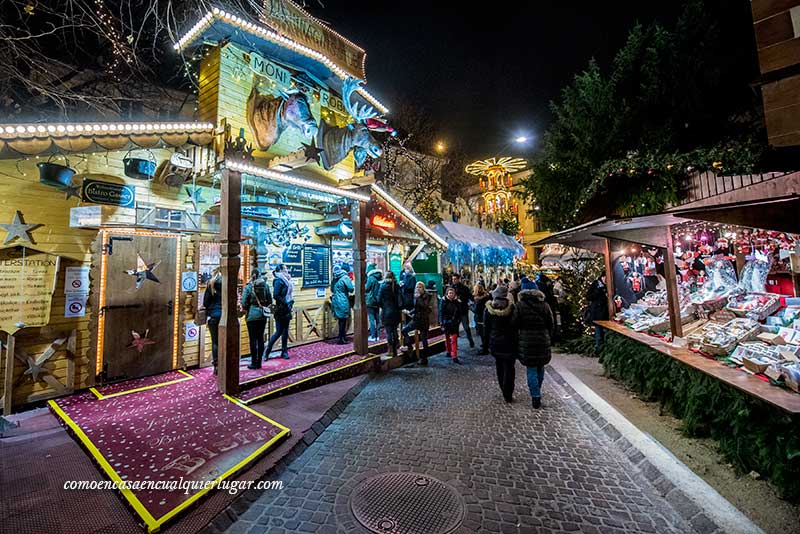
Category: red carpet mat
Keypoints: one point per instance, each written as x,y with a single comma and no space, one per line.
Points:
263,391
140,384
184,433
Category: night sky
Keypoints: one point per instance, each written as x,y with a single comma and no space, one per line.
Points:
485,74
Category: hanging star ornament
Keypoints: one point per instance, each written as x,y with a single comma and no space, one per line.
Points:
72,191
195,197
18,229
311,152
34,369
139,342
144,271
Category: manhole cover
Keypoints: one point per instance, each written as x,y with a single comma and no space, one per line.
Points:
407,503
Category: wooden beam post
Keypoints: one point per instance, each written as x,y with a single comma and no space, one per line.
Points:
358,215
612,310
230,228
673,300
8,379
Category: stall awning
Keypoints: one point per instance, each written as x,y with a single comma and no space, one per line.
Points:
420,226
469,244
769,214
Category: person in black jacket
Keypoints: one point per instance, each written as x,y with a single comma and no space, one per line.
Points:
598,308
480,297
408,283
450,319
212,302
255,298
283,298
390,301
534,321
420,320
464,296
498,329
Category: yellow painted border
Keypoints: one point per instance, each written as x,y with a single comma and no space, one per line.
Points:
153,524
274,391
100,396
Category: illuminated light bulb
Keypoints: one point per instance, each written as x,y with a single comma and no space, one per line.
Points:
70,128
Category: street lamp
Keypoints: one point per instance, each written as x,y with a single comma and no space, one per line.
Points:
521,140
440,146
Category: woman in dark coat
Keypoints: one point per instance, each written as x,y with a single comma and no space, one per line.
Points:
390,300
212,302
499,332
534,321
408,283
420,320
255,297
283,295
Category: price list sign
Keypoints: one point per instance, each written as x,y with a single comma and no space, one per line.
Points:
316,266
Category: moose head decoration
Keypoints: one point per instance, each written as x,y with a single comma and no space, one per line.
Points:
269,117
337,142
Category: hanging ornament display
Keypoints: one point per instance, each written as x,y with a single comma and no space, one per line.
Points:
139,342
17,229
143,271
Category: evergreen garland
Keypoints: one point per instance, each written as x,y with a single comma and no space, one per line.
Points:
752,435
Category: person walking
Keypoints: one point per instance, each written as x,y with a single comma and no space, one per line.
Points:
390,301
283,301
372,294
212,302
408,283
502,339
255,298
597,296
533,320
450,319
464,296
480,297
341,288
420,321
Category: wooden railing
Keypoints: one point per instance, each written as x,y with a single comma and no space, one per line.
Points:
703,185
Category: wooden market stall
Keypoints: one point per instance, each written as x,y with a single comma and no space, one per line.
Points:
113,229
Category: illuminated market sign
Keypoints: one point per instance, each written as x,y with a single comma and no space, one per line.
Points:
290,20
383,222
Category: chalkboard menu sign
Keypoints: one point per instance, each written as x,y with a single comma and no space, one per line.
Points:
316,266
295,271
293,253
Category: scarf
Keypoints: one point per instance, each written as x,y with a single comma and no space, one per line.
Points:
290,291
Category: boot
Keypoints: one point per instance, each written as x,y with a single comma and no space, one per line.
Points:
537,402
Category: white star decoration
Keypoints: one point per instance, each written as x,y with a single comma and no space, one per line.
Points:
18,229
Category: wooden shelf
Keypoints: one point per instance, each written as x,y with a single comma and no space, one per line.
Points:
781,398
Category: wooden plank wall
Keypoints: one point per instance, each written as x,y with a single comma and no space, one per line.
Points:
777,30
40,204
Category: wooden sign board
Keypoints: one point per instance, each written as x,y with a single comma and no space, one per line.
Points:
27,283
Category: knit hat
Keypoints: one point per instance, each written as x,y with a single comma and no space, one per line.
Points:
337,269
528,284
371,267
500,293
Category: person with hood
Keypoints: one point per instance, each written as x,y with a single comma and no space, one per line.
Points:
390,300
480,297
372,294
283,298
450,319
341,287
597,296
534,321
408,283
501,335
420,321
464,296
212,302
255,298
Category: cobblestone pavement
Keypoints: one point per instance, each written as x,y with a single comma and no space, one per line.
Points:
517,469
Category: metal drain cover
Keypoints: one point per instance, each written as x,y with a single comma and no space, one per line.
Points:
407,503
